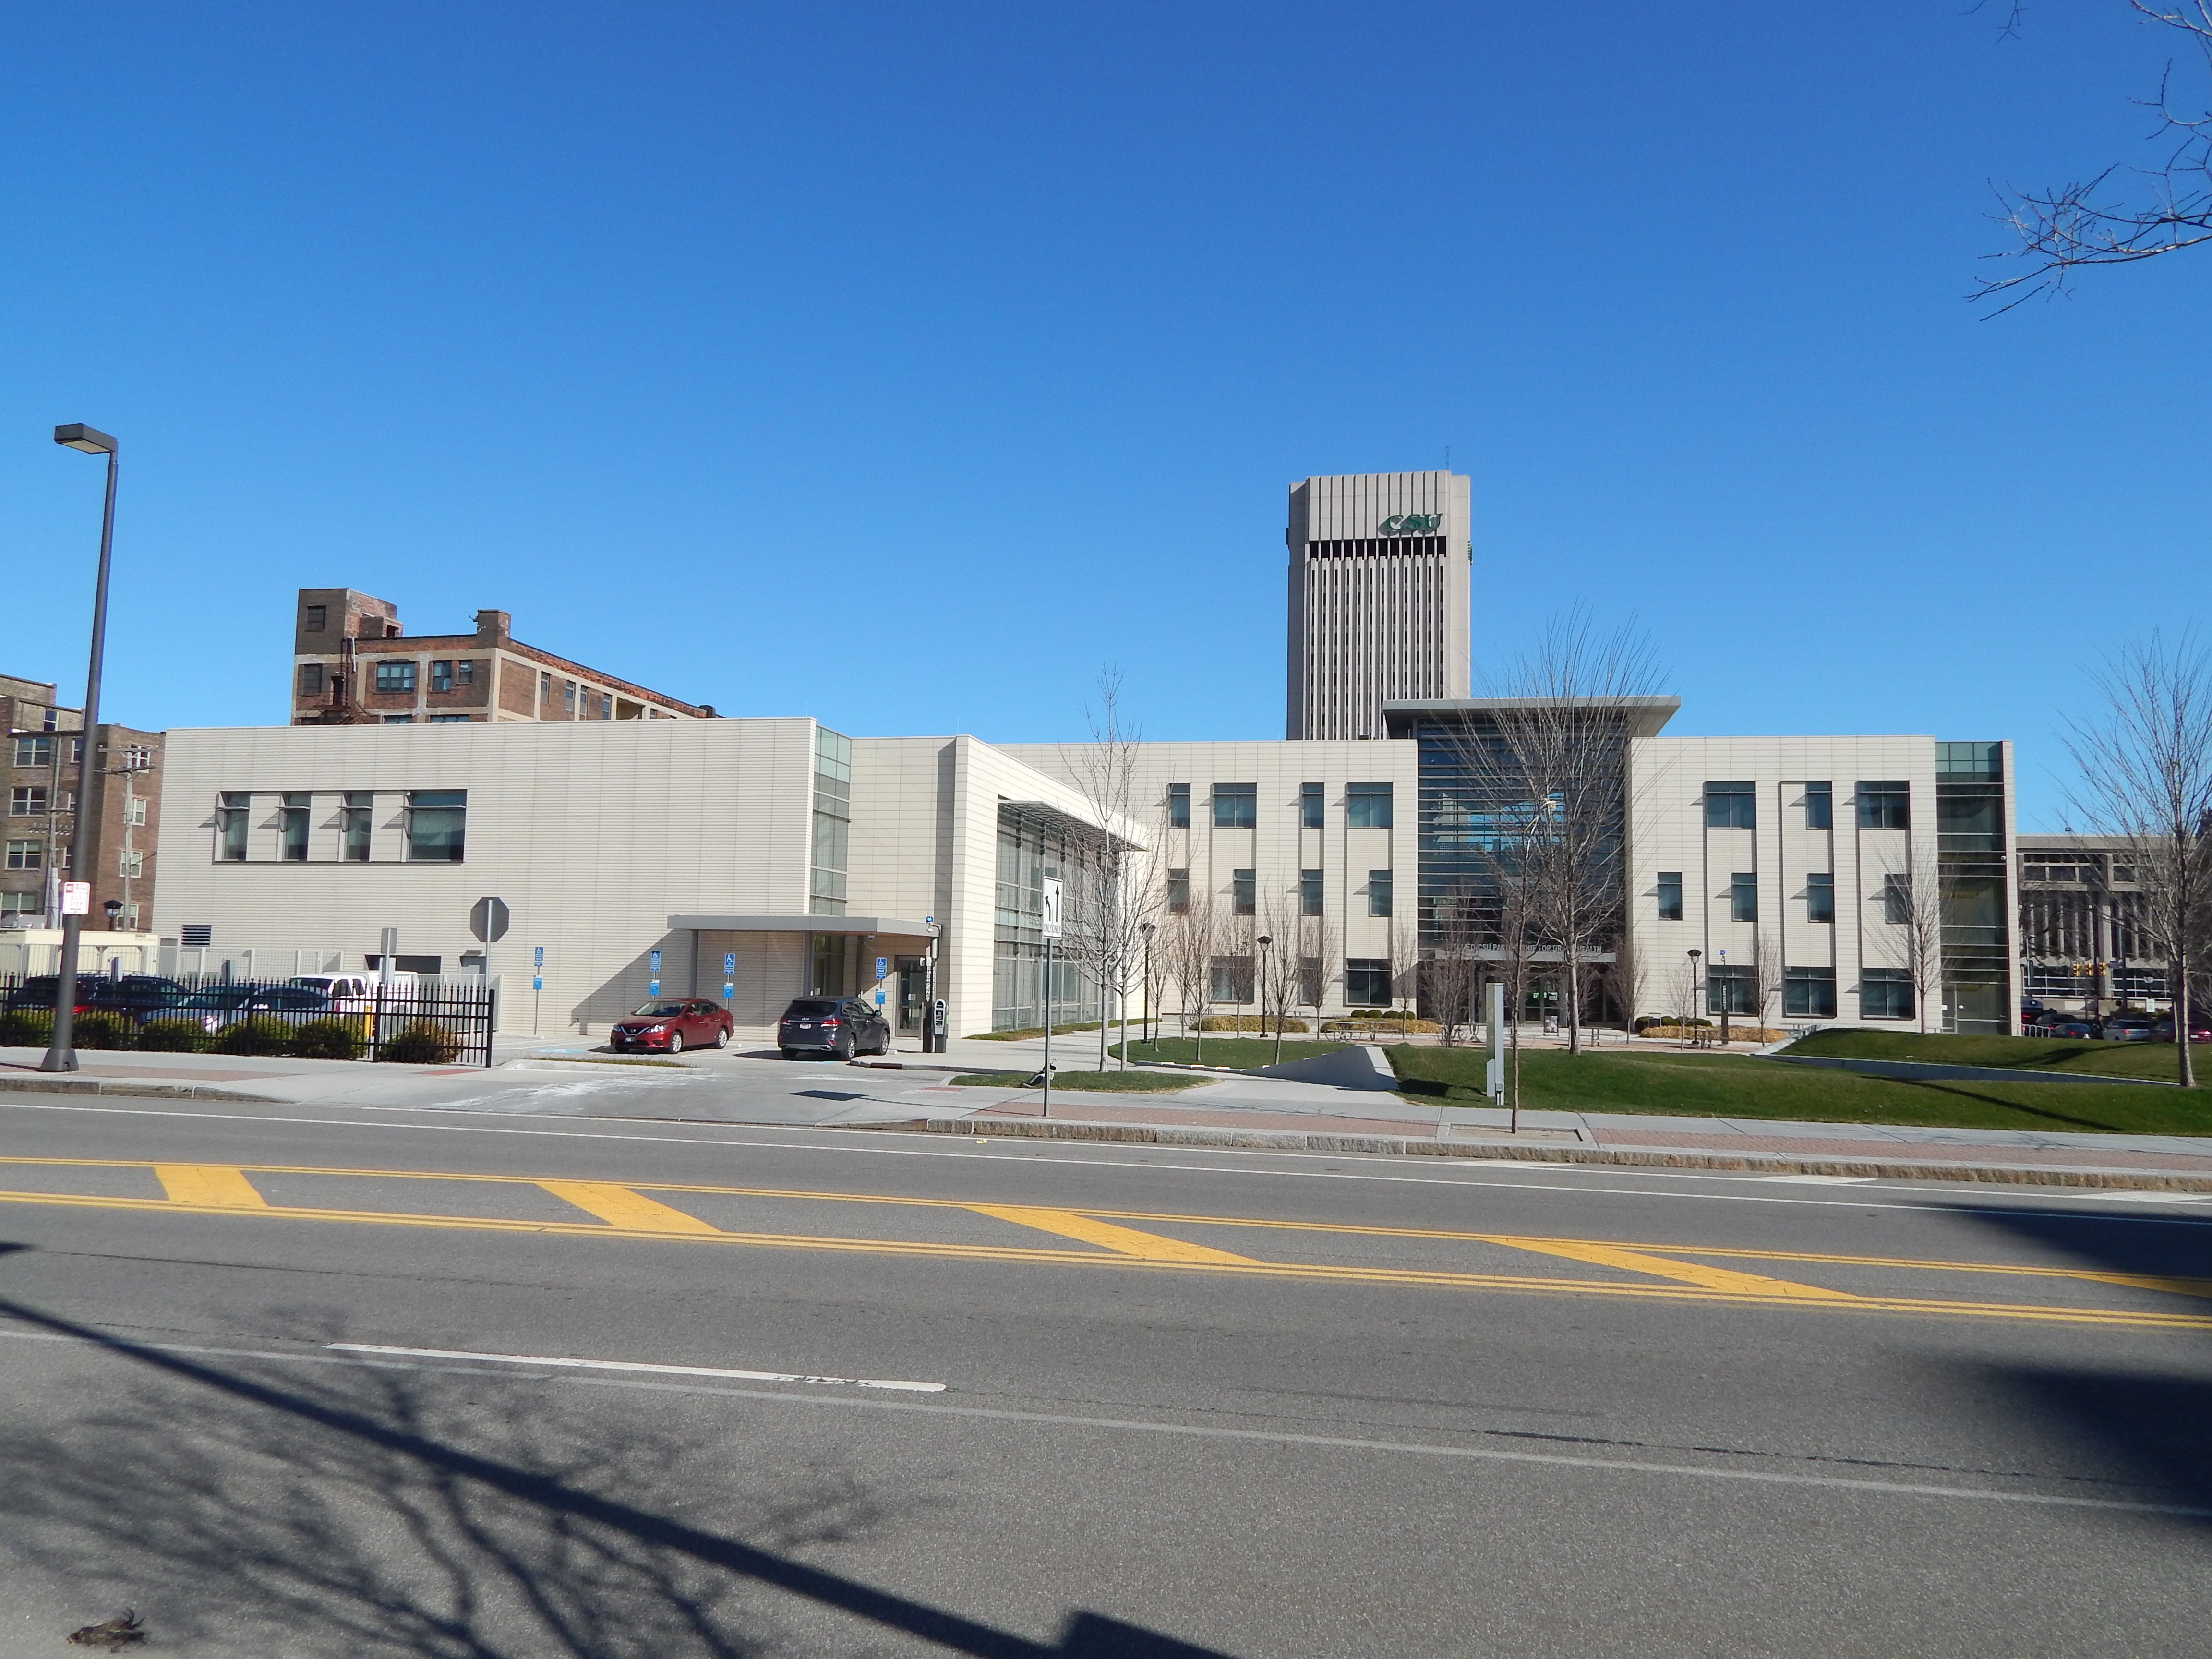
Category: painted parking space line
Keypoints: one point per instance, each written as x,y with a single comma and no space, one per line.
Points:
1126,1240
544,1361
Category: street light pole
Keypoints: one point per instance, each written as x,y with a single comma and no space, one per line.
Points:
61,1050
1689,1036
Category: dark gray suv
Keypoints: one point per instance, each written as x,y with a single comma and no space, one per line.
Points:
839,1027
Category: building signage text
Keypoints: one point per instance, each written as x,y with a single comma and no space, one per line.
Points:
1413,524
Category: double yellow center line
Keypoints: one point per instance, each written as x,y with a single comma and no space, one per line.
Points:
629,1210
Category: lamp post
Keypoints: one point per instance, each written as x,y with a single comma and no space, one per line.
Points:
61,1051
1688,1036
1259,987
1145,929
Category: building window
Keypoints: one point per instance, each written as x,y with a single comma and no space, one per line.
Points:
1809,993
135,814
27,801
1820,806
1743,896
1310,894
310,679
1730,806
1670,895
449,720
1367,806
399,720
134,862
1178,892
832,824
1896,900
1311,806
357,804
1378,892
26,855
441,677
606,705
1178,806
1367,981
19,904
1242,897
465,672
1885,806
1232,979
50,721
1885,993
568,697
319,617
437,822
1983,761
230,825
76,751
1236,806
1820,896
34,751
394,675
544,693
1731,990
296,807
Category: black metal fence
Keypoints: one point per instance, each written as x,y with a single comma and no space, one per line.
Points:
421,1021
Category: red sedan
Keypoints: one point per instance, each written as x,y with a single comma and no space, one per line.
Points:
672,1027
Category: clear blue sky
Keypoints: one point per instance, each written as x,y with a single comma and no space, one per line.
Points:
903,364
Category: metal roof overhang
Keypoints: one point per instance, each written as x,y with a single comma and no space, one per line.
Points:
1643,716
1068,823
802,923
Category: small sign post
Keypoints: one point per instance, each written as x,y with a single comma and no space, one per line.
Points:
537,984
76,898
488,920
1049,926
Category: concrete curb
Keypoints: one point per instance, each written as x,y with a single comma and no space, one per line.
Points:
86,1086
1762,1163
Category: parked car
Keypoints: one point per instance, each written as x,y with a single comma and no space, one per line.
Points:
137,997
672,1027
226,1005
2162,1030
2127,1028
838,1026
2068,1026
349,994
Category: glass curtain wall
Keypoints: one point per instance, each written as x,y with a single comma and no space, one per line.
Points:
1971,860
833,822
1030,851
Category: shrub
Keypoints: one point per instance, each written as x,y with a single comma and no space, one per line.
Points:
257,1035
420,1043
329,1039
1645,1022
173,1036
93,1030
1247,1023
27,1027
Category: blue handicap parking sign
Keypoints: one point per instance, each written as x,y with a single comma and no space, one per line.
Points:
729,991
537,984
729,961
880,965
653,988
653,961
537,960
879,999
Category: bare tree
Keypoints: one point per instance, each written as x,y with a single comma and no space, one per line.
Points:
1551,781
2123,213
1317,949
1682,995
1911,901
1276,963
1187,949
1113,894
2146,777
1767,974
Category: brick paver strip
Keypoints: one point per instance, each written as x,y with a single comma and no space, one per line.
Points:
1916,1152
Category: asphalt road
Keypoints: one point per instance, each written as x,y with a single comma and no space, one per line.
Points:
284,1380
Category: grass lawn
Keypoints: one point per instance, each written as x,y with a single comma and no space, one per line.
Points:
1027,1031
1238,1053
2150,1060
1737,1085
1119,1082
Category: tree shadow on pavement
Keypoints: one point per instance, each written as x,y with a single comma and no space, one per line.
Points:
2149,1424
358,1510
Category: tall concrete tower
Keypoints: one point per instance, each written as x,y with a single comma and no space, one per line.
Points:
1379,597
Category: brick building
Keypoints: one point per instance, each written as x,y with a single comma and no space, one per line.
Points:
445,679
43,760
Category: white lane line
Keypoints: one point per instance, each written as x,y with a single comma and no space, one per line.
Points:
1995,1196
637,1365
2136,1195
1820,1180
1479,1454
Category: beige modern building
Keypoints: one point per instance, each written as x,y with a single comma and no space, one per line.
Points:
749,860
1379,593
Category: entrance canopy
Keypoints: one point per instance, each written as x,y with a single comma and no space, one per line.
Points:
802,923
